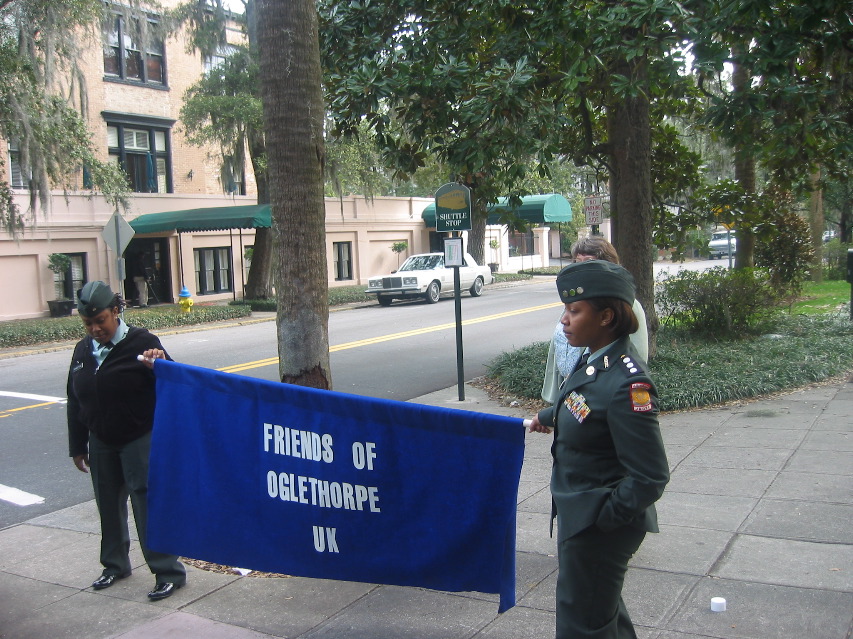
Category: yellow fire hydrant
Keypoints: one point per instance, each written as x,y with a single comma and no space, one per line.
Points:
185,300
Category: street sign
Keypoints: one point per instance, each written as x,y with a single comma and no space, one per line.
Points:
117,233
453,208
592,210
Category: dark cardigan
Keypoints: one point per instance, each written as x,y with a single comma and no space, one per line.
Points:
114,401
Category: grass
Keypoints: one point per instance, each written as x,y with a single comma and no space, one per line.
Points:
59,329
810,343
826,297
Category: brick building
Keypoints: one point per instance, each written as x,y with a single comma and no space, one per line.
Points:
135,93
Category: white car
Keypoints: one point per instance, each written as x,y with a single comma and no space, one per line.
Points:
719,245
425,275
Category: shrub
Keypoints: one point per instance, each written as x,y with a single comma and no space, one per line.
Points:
168,316
337,295
692,371
521,371
60,329
348,295
835,259
265,305
511,277
788,255
717,302
59,263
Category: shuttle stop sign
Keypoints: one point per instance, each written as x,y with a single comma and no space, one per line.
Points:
117,233
453,208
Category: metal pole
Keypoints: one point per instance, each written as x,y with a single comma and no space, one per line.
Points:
460,367
242,265
729,240
119,272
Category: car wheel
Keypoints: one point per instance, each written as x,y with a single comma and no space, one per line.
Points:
433,292
477,287
384,300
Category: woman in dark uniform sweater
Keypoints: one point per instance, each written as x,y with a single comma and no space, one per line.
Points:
111,397
609,461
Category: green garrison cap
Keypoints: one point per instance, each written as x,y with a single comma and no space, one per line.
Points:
595,278
93,298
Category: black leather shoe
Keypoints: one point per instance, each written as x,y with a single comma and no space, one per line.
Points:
162,591
105,581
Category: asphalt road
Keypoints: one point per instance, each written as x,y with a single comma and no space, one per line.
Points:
400,352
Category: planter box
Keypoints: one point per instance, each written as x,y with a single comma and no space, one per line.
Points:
60,308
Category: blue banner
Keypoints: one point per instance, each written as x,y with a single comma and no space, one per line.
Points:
313,483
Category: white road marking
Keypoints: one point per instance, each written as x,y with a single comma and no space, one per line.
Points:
19,497
38,398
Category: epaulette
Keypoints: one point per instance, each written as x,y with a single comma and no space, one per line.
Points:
629,365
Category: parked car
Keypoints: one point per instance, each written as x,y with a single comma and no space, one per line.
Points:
425,275
828,236
719,244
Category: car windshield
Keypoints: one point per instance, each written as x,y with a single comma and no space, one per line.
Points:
422,263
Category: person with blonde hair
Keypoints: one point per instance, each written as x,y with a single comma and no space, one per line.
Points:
561,355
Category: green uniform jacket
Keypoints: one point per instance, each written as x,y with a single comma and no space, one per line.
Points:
609,461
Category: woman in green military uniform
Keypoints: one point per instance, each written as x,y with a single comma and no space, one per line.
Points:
609,461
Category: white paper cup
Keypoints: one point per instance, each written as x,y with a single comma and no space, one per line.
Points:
718,604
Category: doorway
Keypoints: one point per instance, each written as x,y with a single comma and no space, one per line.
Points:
147,260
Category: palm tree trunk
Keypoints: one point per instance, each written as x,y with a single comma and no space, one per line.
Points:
293,123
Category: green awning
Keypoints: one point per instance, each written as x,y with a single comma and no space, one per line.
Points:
537,209
220,218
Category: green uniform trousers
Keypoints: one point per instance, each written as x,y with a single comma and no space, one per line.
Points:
119,472
589,584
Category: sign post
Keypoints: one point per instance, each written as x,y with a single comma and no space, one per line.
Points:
117,234
453,215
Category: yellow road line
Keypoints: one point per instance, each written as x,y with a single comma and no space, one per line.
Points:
273,361
270,361
9,411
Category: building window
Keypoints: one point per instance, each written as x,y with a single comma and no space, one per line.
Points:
520,243
233,177
19,178
217,59
126,60
212,270
66,285
143,154
343,260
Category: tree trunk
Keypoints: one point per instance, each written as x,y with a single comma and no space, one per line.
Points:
258,284
629,138
293,122
744,171
816,224
477,237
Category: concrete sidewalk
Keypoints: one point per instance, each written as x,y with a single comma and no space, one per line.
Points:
758,511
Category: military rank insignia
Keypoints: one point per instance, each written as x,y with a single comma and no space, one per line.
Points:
576,403
641,398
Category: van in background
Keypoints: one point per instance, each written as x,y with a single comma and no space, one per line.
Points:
719,245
